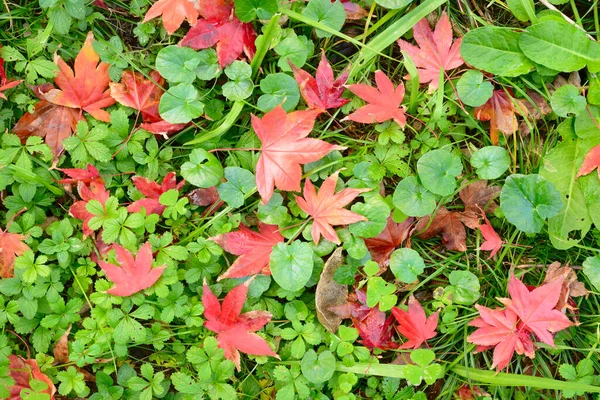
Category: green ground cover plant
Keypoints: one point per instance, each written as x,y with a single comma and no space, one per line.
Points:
265,199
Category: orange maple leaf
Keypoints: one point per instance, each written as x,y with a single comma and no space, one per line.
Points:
87,87
326,207
173,12
11,246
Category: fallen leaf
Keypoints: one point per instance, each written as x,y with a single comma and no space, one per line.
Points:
139,93
222,28
162,127
591,161
11,246
235,331
133,275
353,10
327,207
384,102
61,348
325,91
478,196
76,175
414,325
95,190
493,242
153,191
466,392
52,122
436,51
86,87
393,235
446,224
571,286
329,293
500,111
374,328
285,147
204,197
173,12
253,248
22,371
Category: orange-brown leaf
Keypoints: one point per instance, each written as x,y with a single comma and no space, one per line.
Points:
139,93
446,224
590,162
478,196
173,12
394,234
500,111
61,348
85,87
11,246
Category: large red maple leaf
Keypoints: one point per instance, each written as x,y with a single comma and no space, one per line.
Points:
591,161
95,190
327,207
414,325
142,94
11,246
374,327
285,147
384,101
325,91
253,248
394,234
435,53
153,191
22,370
133,275
173,12
235,331
222,28
86,87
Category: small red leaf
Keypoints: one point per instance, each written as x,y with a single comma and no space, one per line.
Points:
590,162
414,325
493,242
153,191
22,371
95,190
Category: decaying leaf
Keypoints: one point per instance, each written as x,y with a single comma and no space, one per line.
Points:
478,196
500,110
11,246
394,234
329,293
61,348
571,287
446,224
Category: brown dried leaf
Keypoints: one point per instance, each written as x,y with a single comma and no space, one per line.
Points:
329,293
446,224
571,286
61,348
382,246
478,196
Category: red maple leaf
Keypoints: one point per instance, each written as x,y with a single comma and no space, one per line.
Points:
374,327
253,248
353,10
394,234
285,147
493,242
222,28
590,162
153,191
327,207
435,53
325,91
500,110
77,175
85,88
173,12
11,246
527,312
384,102
234,330
22,371
95,190
144,95
5,84
133,275
414,325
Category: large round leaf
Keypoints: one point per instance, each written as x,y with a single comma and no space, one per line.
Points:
438,170
496,50
528,200
318,369
247,10
203,169
329,14
490,162
240,84
473,90
292,265
178,64
567,100
413,199
464,286
406,264
180,104
278,89
376,210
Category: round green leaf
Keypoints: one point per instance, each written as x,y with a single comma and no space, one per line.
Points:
558,45
413,199
318,369
496,50
208,66
591,269
438,170
177,64
465,287
377,211
566,100
393,4
248,10
490,162
239,182
473,90
278,89
203,169
180,104
292,265
240,84
295,49
422,357
330,14
406,264
527,200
